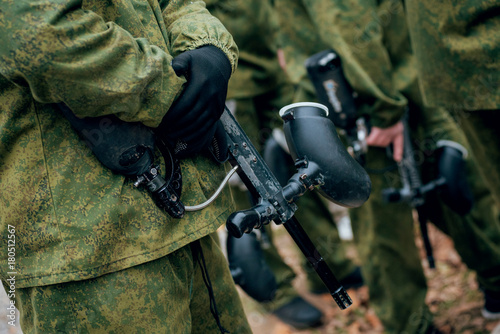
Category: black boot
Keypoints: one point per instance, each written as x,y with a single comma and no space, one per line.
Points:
299,314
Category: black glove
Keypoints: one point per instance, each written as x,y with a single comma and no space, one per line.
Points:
189,125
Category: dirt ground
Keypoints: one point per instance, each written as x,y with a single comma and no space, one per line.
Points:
453,296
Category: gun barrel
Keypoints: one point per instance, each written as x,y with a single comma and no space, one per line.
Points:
264,186
305,244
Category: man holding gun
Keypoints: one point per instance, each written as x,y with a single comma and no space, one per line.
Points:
95,254
373,43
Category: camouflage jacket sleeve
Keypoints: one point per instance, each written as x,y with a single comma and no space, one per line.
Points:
194,26
254,27
372,40
297,37
104,64
457,47
74,218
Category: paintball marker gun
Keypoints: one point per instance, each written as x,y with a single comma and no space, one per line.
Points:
320,158
322,163
450,184
128,149
332,89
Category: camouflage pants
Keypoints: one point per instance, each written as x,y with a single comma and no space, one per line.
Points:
482,129
384,232
167,295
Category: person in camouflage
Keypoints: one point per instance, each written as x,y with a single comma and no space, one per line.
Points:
457,53
373,43
93,253
258,89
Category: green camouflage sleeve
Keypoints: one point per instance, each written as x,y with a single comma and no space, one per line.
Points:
372,40
193,26
65,53
74,218
254,27
457,47
297,37
99,58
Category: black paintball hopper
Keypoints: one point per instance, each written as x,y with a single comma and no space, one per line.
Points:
312,136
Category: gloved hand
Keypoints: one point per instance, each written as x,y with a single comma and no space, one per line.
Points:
191,120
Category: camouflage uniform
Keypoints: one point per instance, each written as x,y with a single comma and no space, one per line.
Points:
74,219
152,297
374,46
259,88
457,50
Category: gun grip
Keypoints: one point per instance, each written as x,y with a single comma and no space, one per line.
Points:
244,221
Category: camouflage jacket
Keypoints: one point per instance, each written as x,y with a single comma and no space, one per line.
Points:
74,219
370,37
254,27
457,47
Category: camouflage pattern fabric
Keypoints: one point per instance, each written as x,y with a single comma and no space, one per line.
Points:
254,29
482,128
355,29
383,241
390,261
73,218
259,89
456,49
379,45
166,295
476,236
